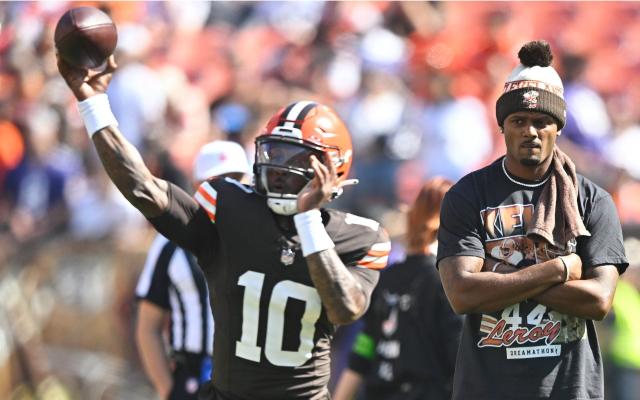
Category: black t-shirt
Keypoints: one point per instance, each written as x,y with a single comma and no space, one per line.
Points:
272,333
407,348
527,350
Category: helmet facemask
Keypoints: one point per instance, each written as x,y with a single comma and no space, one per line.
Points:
282,169
282,165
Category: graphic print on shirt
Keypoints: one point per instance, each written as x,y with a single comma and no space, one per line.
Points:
389,345
527,329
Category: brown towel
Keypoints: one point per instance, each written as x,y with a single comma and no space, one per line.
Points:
556,217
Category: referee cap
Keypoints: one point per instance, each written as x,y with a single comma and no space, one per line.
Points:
220,157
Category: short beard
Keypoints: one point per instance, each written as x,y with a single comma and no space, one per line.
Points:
530,162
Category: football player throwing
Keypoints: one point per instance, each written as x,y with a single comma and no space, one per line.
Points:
282,270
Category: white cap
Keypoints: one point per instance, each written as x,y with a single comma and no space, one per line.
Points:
219,157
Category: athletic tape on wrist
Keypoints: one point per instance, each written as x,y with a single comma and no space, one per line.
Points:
313,235
96,113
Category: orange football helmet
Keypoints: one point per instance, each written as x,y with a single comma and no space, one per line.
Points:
282,166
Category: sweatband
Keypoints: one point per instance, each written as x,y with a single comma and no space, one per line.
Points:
313,235
96,113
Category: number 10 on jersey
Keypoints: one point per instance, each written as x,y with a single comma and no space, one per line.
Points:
247,347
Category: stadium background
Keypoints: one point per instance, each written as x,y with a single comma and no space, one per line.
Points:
416,83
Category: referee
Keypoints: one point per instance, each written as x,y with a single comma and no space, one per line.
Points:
173,288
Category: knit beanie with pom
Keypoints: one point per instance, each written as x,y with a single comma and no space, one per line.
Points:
533,86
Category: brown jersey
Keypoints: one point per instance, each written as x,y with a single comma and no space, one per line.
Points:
272,334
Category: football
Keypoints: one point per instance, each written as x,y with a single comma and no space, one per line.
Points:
85,37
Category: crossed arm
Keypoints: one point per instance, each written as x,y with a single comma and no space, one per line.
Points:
589,297
472,288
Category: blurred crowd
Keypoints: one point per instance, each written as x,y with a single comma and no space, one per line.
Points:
416,82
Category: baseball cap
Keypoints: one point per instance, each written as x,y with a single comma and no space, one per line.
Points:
219,157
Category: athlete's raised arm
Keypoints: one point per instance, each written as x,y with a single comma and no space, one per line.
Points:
121,159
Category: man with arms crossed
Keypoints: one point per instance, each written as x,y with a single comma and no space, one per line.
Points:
531,252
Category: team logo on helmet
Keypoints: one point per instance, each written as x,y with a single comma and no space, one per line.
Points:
530,98
282,165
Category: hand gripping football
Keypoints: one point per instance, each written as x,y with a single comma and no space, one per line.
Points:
85,37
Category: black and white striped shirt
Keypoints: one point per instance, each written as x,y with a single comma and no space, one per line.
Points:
171,279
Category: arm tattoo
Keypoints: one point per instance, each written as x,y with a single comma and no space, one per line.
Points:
340,292
127,170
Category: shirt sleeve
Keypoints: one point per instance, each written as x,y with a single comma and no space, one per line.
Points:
185,222
459,234
605,245
153,284
377,254
366,267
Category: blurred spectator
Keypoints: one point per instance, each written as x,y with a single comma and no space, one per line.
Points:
588,129
622,150
12,150
588,123
457,137
41,380
232,119
99,211
407,348
379,109
34,189
137,100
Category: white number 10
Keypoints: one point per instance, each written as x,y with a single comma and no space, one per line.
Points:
247,347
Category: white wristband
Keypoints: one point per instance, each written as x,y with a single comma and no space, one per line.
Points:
96,113
313,235
495,266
